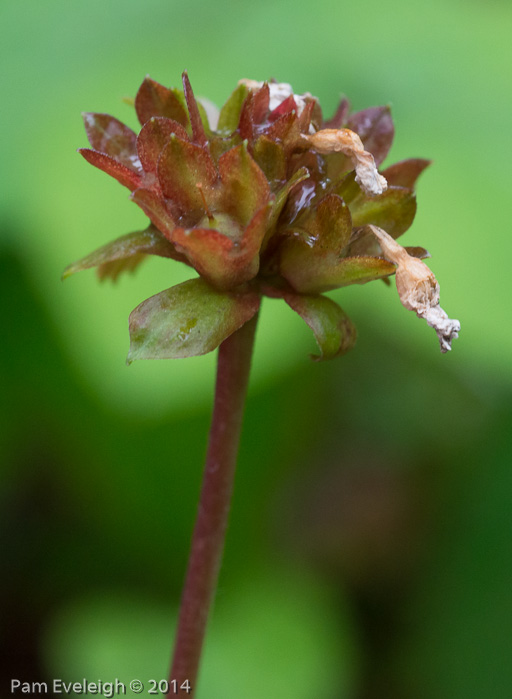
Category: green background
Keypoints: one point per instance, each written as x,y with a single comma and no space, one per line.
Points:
370,549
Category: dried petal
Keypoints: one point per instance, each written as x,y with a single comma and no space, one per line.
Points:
347,142
187,320
418,289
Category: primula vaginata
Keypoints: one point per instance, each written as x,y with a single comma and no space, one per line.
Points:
265,198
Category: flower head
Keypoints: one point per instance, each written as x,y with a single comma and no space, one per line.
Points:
267,199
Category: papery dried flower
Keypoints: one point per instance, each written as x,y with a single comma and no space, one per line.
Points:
348,142
418,288
268,200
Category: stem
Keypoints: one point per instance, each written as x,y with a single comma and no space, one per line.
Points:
233,365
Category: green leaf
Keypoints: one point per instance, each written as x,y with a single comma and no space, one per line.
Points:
226,256
280,201
187,320
113,269
328,226
314,273
393,210
244,186
148,242
181,168
230,113
334,332
270,157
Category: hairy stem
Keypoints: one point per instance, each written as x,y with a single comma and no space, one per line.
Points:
234,361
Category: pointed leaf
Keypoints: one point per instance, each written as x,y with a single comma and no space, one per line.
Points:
285,129
347,188
187,320
282,195
375,128
113,269
285,107
419,252
198,133
340,116
280,202
126,176
393,210
270,157
328,226
154,99
261,104
244,186
317,118
208,251
334,332
246,123
110,136
154,136
230,113
252,240
406,172
155,209
226,256
149,241
181,168
317,273
306,116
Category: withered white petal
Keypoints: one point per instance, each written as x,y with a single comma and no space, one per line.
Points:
418,288
348,142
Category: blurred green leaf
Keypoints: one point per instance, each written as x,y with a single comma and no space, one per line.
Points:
186,320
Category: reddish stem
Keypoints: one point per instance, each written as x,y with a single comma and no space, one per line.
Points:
234,361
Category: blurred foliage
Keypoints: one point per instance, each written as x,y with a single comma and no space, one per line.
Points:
372,506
